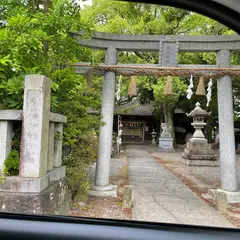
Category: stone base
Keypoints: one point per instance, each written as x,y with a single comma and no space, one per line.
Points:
32,185
199,162
232,197
199,153
105,191
166,144
166,150
53,200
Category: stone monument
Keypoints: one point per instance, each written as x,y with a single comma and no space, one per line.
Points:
165,140
198,152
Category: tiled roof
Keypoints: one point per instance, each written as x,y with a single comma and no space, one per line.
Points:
134,108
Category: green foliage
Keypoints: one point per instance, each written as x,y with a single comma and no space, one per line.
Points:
58,136
3,174
82,155
79,137
179,89
36,41
136,18
11,95
12,163
74,100
167,104
35,38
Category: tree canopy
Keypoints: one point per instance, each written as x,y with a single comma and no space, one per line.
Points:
137,18
35,39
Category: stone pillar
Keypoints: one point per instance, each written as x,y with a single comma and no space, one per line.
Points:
6,129
58,145
36,110
101,185
51,145
226,126
168,57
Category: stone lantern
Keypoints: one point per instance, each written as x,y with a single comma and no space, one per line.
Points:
198,115
154,134
198,152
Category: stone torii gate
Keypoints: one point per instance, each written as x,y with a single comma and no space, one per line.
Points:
168,48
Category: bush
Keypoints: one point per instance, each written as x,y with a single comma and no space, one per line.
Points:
80,132
82,155
12,163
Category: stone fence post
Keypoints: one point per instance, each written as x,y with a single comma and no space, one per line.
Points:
36,110
6,128
41,185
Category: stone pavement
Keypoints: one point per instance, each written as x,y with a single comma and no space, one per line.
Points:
159,196
203,176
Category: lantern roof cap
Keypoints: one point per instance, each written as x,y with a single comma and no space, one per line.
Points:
198,111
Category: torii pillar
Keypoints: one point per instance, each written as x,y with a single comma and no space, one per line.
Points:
229,180
101,185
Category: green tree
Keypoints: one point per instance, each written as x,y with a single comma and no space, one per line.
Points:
167,103
35,38
135,18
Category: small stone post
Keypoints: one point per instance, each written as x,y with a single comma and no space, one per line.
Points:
221,201
226,127
101,185
58,145
127,196
6,129
51,145
36,110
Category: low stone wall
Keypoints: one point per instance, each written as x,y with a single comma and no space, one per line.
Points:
53,200
41,184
